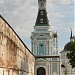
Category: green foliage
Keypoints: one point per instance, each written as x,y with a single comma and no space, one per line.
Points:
71,54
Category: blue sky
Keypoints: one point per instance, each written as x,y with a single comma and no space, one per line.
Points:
21,15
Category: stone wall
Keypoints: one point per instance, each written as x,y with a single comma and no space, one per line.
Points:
15,57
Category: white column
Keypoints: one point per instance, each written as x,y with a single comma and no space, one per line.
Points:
46,47
58,68
46,69
49,68
35,48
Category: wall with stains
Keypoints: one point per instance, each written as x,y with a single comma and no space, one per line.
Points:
15,57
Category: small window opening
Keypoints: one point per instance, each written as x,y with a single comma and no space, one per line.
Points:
41,20
41,12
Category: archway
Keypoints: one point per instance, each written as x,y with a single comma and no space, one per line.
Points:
41,71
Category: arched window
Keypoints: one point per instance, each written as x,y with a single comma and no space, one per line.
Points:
41,49
41,71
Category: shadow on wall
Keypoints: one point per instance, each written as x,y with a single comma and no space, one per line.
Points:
17,59
24,66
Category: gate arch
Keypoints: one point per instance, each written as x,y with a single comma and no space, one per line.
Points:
41,71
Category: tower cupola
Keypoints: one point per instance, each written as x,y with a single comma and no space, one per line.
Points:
42,4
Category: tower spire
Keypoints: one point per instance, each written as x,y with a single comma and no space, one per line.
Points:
42,19
71,33
71,37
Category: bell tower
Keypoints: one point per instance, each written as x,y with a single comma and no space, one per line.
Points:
44,44
43,40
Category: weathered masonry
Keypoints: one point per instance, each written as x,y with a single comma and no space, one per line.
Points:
15,57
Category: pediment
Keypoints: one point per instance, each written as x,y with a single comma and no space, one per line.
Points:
41,35
41,60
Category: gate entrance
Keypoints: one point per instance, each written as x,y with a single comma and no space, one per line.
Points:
41,71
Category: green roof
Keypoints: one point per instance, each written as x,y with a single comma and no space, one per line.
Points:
41,25
42,15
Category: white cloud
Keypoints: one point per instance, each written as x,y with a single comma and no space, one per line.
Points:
66,2
21,15
2,8
61,28
58,15
1,4
23,32
63,2
1,1
15,13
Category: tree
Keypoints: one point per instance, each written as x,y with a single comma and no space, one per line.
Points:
71,54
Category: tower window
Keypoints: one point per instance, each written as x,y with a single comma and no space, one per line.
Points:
41,12
41,20
41,49
41,4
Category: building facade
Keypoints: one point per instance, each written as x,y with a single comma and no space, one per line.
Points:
44,44
66,67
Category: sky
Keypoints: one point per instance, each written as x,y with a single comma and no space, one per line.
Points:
22,14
